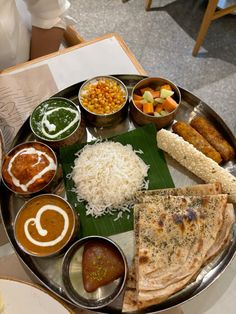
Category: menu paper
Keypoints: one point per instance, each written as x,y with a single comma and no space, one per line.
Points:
20,93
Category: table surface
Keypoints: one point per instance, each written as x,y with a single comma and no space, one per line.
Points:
109,55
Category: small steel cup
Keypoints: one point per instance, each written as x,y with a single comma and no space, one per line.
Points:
74,137
142,118
47,186
104,120
73,282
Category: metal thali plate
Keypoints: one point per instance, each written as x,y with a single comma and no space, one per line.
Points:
47,270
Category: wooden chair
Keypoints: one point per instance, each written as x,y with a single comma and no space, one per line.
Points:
210,15
72,37
148,4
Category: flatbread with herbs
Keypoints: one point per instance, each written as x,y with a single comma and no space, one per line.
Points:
174,236
224,234
197,190
222,238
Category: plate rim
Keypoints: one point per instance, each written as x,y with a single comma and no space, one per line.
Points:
39,288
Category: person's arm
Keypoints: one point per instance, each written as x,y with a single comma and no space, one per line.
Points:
45,41
48,25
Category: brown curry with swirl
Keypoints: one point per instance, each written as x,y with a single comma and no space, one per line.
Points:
44,225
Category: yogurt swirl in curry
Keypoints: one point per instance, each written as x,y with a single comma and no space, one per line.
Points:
43,232
46,125
29,167
55,119
44,225
29,151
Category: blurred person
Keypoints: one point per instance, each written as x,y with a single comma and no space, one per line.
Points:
30,29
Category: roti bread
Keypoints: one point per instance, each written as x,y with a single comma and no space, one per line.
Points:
174,237
150,196
198,189
222,239
130,298
224,234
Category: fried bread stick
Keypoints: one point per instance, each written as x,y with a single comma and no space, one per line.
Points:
196,162
190,135
208,131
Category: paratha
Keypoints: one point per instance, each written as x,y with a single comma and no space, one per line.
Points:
224,234
130,299
144,294
129,302
174,236
198,190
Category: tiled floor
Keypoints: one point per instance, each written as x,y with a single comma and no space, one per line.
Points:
162,40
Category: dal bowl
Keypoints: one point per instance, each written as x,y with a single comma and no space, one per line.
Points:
104,101
154,100
45,225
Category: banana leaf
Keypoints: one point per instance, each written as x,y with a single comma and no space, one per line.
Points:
143,138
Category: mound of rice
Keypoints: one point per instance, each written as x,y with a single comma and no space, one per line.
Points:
107,175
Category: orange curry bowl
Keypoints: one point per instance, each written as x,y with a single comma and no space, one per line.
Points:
29,168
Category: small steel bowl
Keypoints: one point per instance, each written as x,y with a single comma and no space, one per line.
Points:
75,136
109,119
14,188
33,206
142,118
73,281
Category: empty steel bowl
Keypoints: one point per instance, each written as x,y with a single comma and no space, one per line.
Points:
50,126
73,280
107,117
141,118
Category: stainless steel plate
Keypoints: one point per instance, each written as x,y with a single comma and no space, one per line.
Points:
48,270
2,145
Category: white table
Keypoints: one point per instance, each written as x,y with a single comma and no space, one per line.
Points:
104,55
